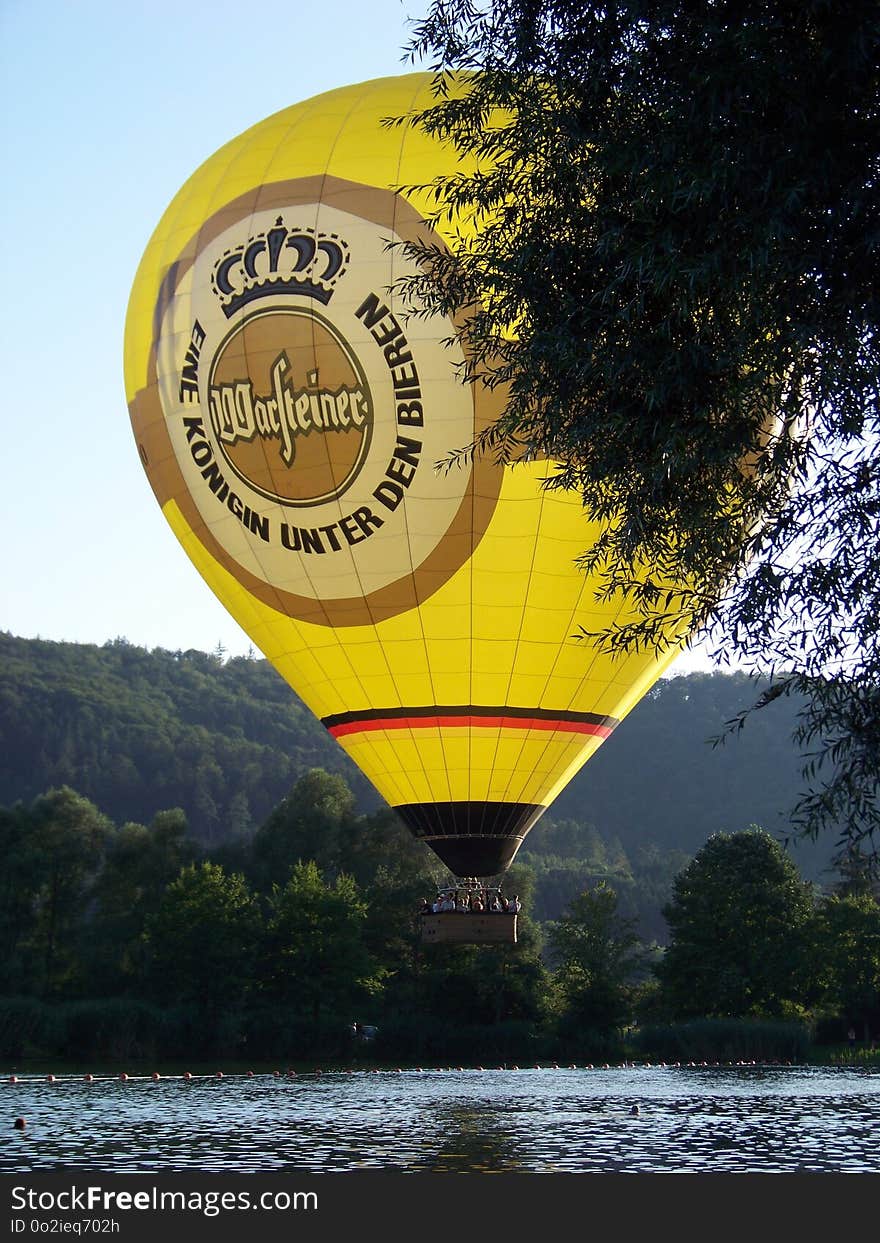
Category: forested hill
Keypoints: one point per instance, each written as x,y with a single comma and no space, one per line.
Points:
660,777
138,732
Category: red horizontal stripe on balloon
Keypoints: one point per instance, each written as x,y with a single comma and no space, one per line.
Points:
487,722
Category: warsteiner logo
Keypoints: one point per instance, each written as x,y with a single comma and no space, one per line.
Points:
290,406
294,415
237,414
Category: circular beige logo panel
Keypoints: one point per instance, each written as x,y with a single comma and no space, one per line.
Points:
301,417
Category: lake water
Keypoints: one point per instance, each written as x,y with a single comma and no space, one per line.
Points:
690,1119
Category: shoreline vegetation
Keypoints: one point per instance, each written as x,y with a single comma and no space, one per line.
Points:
127,942
70,1043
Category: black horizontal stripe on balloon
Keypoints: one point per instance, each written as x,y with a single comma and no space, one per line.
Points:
465,711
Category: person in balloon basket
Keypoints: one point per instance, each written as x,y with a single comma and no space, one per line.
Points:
513,905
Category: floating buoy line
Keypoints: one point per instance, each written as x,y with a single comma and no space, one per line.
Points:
318,1072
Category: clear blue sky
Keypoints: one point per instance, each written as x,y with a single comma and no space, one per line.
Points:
106,108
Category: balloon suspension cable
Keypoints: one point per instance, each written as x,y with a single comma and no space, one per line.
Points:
466,890
469,885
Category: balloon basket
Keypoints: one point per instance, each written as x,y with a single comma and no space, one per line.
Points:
461,928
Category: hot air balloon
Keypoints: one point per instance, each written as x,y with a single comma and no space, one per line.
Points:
290,419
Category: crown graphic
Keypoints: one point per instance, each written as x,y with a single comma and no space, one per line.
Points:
281,260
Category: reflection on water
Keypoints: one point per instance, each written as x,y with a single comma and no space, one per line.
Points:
736,1119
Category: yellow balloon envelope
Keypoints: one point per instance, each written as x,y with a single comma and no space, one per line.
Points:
290,419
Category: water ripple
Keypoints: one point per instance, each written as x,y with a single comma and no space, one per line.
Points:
752,1119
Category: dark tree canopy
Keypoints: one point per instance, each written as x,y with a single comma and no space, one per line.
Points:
128,942
668,258
597,955
738,920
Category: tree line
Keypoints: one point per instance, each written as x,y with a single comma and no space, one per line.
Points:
137,941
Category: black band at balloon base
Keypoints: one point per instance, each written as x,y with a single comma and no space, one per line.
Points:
472,838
